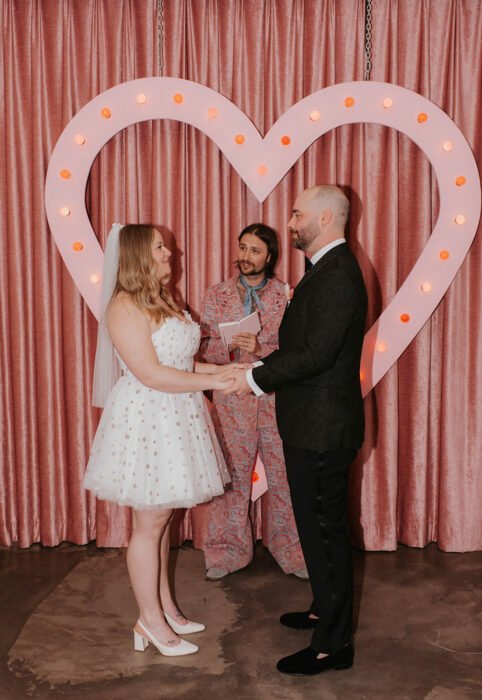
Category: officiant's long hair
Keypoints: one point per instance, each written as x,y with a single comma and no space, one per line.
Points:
137,273
269,236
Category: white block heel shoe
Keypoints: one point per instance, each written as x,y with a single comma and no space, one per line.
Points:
188,628
140,642
142,638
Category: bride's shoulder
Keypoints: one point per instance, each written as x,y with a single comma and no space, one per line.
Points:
122,310
122,302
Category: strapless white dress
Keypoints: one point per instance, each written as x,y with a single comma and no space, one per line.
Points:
154,449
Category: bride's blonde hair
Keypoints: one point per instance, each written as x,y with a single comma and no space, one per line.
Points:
137,273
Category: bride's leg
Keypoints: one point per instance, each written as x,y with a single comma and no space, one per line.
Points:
175,618
149,527
167,601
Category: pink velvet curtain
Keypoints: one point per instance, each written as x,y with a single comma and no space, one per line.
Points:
419,476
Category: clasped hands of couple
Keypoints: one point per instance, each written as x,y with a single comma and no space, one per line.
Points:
232,377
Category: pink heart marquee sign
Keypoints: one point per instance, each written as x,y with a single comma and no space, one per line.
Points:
262,163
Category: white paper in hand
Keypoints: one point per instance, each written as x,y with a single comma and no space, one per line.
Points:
248,324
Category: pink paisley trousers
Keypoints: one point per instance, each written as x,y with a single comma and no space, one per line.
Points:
244,425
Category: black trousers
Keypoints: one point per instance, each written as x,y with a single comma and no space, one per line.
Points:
318,484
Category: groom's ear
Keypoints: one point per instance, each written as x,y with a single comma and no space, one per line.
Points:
326,217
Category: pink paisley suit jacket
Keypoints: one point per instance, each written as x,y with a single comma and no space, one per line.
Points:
222,304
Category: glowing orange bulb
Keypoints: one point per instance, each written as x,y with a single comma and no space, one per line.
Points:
79,139
314,115
64,211
362,375
95,279
285,140
239,138
381,347
404,318
141,98
262,169
460,180
444,255
426,286
106,113
212,113
178,98
349,101
78,246
65,174
460,219
255,477
387,102
447,145
422,117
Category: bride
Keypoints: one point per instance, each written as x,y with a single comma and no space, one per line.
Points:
155,448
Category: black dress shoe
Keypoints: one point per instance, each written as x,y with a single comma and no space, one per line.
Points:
305,663
299,620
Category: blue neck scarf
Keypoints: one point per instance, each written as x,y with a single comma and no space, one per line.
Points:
251,295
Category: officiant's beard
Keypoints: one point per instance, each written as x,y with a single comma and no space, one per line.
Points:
250,270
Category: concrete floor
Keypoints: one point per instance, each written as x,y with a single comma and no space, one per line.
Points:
67,615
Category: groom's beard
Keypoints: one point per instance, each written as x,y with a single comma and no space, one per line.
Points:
304,237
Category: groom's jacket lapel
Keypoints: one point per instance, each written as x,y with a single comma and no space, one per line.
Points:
314,271
318,267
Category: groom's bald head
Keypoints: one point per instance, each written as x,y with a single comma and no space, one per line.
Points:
320,215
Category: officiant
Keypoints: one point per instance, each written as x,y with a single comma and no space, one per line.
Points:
246,425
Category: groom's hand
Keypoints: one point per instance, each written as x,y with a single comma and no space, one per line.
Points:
239,386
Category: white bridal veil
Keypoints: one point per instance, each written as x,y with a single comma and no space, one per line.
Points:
106,369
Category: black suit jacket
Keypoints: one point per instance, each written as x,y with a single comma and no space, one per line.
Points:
316,370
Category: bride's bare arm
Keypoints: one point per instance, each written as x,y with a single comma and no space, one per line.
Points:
131,335
205,368
209,368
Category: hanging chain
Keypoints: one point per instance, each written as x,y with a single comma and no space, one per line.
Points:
160,35
368,38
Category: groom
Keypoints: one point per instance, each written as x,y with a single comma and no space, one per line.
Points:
319,410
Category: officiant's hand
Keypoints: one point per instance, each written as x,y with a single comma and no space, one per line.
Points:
247,342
